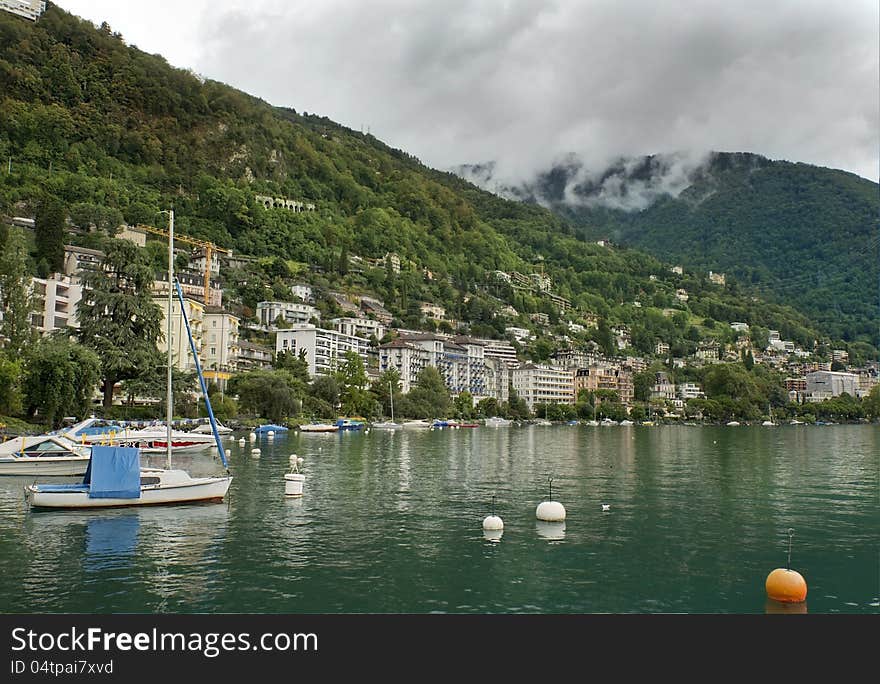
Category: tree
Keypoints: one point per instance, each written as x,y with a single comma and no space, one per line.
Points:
118,318
429,398
10,386
272,394
382,388
871,403
60,377
296,364
464,405
15,297
355,399
49,233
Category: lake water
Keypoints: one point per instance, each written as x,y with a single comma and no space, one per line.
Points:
391,522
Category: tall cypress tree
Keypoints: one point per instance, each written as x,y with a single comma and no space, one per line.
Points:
15,297
49,233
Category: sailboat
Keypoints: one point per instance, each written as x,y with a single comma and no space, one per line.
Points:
769,423
115,477
389,424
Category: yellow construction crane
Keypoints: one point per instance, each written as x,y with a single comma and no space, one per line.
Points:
209,248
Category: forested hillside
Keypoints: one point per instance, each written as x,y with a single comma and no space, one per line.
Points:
112,134
792,233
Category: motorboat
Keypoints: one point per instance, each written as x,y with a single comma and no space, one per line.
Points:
626,422
350,424
386,425
114,478
409,424
319,427
205,429
543,423
150,439
495,421
43,455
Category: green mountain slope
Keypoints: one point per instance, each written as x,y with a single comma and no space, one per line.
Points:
793,233
112,132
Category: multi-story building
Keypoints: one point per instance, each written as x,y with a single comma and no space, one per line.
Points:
462,362
181,354
362,327
29,9
55,301
432,311
827,384
220,351
191,285
499,349
78,260
606,377
376,308
253,356
662,388
304,292
519,334
690,390
539,384
325,350
290,312
661,349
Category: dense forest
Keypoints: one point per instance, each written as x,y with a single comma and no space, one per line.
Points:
111,134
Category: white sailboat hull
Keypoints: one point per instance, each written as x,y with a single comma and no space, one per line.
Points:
178,489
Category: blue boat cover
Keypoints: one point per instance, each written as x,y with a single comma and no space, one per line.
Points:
114,473
274,428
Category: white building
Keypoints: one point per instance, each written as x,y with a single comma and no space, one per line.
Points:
832,384
499,349
438,313
290,312
181,354
519,334
221,339
538,384
253,356
690,390
304,292
325,349
362,327
80,259
55,302
29,9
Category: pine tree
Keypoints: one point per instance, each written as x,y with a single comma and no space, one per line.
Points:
15,295
49,233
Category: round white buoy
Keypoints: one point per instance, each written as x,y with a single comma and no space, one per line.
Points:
271,433
253,436
255,452
293,484
300,461
241,442
292,460
493,522
550,511
606,507
492,535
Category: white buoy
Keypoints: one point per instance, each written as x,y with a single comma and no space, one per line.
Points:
253,436
241,442
550,511
255,452
271,433
293,484
493,522
606,507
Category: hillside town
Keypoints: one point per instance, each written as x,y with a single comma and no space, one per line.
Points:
230,338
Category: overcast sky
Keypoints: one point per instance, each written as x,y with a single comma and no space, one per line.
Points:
524,82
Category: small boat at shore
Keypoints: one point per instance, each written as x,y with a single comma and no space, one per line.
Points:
410,424
43,455
495,421
266,429
319,427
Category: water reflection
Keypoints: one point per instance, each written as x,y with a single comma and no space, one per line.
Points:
110,541
492,535
553,531
772,607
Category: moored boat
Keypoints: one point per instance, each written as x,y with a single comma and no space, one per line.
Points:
43,455
319,427
495,421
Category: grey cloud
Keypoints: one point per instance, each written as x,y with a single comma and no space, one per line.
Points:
524,83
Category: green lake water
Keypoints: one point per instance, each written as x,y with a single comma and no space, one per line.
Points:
391,522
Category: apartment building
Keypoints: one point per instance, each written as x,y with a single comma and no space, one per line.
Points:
324,349
540,384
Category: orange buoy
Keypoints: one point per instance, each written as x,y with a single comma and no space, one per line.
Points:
786,586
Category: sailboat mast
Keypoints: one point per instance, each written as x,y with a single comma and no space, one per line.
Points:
168,397
391,395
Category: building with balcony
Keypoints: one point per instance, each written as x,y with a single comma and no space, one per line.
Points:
361,327
252,356
539,384
55,301
325,350
290,312
181,354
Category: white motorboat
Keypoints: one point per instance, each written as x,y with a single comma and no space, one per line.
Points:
151,439
205,429
43,455
543,423
115,478
319,427
495,421
418,424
